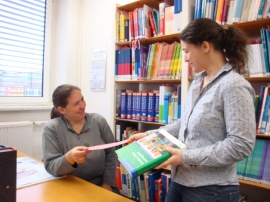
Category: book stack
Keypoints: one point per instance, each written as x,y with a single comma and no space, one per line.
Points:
145,21
259,60
161,106
234,11
256,166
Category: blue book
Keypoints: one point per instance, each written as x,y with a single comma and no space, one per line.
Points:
266,173
262,166
265,117
123,105
151,107
179,102
238,10
144,106
267,39
265,52
140,23
116,65
213,9
134,105
198,9
152,177
261,9
157,108
166,107
138,106
129,105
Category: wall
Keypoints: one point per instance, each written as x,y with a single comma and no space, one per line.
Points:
78,26
98,28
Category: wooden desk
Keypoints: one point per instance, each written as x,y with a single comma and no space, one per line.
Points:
66,189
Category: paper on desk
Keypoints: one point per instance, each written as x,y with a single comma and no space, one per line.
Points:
109,145
31,172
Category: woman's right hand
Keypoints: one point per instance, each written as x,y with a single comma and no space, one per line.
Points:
77,154
136,137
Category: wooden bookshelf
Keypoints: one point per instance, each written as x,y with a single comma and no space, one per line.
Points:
251,27
150,81
255,184
165,38
263,136
141,122
258,79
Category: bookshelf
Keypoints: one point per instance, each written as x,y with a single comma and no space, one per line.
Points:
252,28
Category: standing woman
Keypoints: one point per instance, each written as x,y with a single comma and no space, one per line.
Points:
218,117
68,135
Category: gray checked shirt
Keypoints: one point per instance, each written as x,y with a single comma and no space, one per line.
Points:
218,126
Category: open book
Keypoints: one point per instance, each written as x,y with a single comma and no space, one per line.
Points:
31,172
148,152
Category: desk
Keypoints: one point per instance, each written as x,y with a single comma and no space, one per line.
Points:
69,188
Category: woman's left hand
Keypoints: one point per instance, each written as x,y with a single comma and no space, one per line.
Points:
174,160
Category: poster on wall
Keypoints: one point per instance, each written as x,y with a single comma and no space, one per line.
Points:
98,68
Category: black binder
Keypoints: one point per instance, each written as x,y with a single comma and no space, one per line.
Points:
8,170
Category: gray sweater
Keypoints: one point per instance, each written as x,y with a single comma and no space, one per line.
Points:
59,138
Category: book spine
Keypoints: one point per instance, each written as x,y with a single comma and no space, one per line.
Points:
139,102
123,105
126,29
151,107
157,108
259,16
178,11
144,106
134,105
162,7
238,10
129,105
152,23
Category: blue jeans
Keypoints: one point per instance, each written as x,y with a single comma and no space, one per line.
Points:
180,193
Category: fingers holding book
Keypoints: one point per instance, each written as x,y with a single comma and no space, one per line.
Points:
136,137
174,160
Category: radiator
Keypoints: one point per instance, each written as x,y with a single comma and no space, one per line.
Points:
18,135
25,136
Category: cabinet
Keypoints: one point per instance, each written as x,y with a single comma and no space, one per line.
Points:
252,28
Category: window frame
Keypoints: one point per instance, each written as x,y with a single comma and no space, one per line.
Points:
45,99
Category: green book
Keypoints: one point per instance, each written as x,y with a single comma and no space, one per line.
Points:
148,152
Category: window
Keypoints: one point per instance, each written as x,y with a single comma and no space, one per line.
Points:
23,29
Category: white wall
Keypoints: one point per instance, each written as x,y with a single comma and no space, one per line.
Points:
78,27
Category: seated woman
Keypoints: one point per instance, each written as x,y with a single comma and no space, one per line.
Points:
68,135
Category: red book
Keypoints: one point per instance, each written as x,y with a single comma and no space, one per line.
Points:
131,26
118,178
152,23
136,23
158,190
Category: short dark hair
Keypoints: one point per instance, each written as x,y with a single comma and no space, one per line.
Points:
231,41
60,96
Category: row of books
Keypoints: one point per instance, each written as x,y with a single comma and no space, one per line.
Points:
232,11
262,110
156,61
145,22
151,186
161,106
256,166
